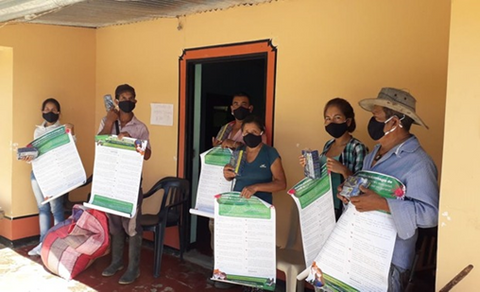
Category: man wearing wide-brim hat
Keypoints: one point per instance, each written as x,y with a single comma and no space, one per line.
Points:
399,154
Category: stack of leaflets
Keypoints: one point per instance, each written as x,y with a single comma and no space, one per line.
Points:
312,164
351,186
108,101
237,160
27,151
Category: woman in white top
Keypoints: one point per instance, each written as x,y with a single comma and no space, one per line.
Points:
50,114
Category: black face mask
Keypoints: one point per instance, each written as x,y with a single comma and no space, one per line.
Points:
126,106
50,117
241,113
252,140
375,129
336,130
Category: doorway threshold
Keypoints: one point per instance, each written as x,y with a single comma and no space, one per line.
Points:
198,258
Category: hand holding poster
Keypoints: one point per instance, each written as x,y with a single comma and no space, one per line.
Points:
314,200
358,253
58,168
244,241
117,172
212,181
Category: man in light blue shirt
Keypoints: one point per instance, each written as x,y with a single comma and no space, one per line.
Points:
399,154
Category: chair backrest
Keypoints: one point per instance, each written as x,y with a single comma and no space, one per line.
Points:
68,204
175,197
426,249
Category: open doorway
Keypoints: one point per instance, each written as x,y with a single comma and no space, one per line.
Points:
209,77
222,79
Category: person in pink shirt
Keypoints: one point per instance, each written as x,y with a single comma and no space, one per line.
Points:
123,123
241,108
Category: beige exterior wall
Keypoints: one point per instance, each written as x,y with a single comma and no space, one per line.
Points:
6,114
48,61
459,223
144,55
325,49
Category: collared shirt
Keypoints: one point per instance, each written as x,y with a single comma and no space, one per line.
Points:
409,163
135,128
43,129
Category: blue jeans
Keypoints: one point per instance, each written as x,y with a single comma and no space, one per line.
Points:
54,206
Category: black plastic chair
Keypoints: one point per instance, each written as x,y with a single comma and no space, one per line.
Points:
425,252
173,212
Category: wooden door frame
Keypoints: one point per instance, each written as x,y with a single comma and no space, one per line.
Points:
261,47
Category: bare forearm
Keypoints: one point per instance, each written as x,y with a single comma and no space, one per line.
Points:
107,128
346,172
271,187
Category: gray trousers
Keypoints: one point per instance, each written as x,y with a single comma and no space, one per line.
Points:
131,226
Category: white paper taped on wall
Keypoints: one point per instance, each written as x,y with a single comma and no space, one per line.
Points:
161,114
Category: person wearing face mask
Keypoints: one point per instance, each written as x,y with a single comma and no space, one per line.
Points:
123,123
51,115
343,154
262,173
399,154
240,109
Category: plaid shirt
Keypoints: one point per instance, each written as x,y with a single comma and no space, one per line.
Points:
352,155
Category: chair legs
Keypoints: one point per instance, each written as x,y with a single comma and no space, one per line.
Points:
159,236
158,249
181,233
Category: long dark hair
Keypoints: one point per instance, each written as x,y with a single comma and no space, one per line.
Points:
346,109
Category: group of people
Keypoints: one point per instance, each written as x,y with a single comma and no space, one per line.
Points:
397,153
120,121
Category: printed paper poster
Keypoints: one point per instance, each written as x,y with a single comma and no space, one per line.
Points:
58,168
117,172
314,200
211,182
245,251
358,253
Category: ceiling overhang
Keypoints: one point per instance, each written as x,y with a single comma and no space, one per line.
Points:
101,13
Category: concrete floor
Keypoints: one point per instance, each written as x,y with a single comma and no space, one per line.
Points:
20,272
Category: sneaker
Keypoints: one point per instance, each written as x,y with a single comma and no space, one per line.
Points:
36,250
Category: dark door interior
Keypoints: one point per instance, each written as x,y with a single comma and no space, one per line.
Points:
220,80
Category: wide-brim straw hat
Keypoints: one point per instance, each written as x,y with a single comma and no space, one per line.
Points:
394,99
